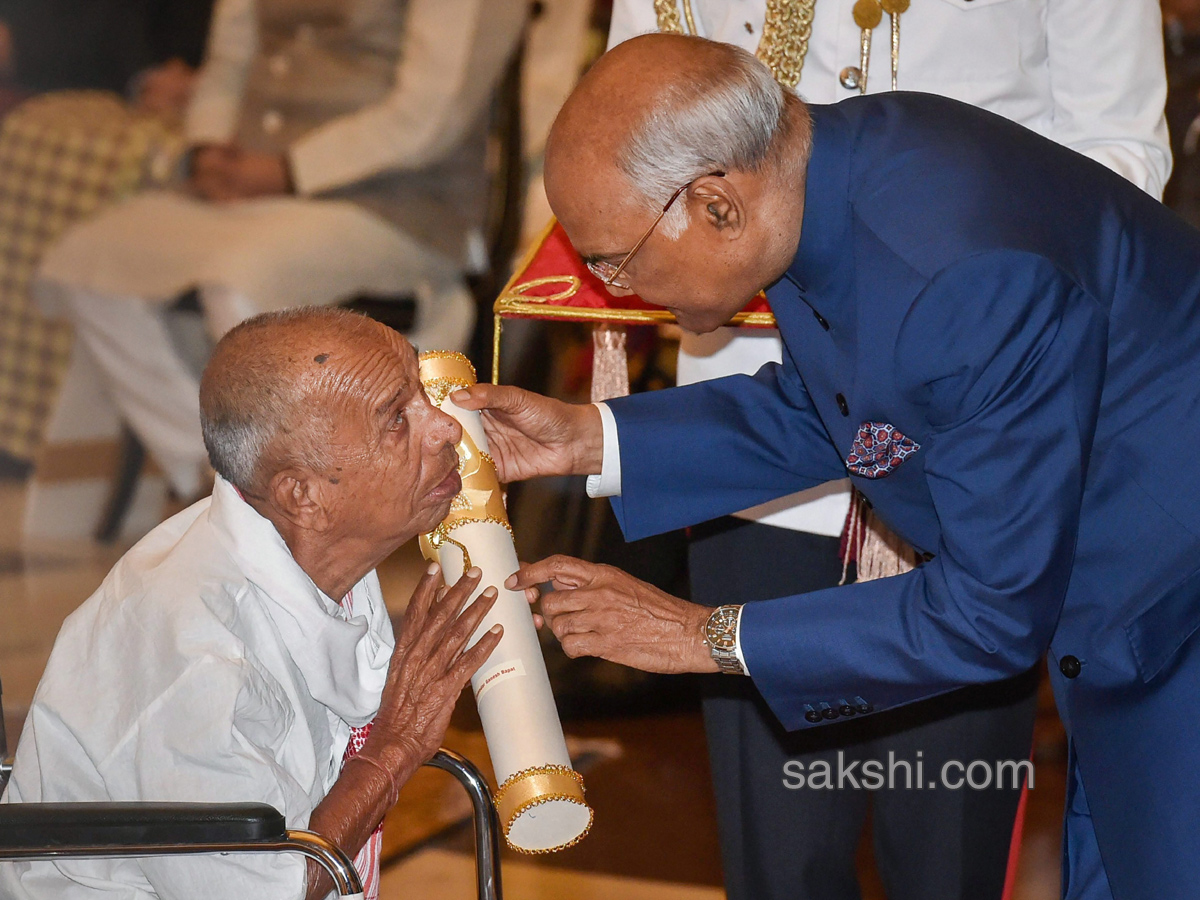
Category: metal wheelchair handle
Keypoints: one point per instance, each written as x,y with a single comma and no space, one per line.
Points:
329,856
487,822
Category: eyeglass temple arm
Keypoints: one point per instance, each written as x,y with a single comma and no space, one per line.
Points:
649,231
638,246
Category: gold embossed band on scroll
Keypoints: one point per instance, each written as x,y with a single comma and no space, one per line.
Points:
442,372
529,788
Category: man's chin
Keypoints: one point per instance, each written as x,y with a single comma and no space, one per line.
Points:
432,517
438,513
431,522
700,324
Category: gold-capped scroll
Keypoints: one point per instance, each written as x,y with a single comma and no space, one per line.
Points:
529,788
540,799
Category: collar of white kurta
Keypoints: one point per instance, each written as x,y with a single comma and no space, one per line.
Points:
344,662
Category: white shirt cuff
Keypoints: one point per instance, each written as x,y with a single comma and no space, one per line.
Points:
737,641
608,482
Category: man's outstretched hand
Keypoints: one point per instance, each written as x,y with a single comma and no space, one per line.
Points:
531,435
601,611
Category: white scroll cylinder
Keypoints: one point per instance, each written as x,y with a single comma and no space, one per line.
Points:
540,797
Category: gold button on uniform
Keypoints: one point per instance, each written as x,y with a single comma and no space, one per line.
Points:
850,77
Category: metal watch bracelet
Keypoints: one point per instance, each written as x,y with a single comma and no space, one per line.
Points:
720,635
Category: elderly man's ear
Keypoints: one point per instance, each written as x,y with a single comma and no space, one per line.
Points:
721,204
302,497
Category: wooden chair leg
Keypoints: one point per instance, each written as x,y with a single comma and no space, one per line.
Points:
129,469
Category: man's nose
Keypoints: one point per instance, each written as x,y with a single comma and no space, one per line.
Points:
446,428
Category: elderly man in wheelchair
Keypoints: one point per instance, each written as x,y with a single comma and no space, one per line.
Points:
242,650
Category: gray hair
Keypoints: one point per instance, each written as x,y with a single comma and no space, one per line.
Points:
731,118
254,402
236,443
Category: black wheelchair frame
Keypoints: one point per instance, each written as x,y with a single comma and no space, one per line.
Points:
40,831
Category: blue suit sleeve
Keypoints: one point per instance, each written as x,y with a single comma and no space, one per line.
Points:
1007,357
689,454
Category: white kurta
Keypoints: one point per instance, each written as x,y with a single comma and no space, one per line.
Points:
207,667
1086,73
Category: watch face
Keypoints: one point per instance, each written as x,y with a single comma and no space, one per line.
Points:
721,629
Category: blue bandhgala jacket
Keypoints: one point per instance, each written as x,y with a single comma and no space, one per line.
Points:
1030,323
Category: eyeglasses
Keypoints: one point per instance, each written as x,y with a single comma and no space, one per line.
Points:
608,273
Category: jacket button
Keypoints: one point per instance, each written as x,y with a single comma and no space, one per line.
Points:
846,709
863,706
821,319
850,77
811,715
842,405
1070,667
828,712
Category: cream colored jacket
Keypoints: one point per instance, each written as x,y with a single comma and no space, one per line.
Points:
382,102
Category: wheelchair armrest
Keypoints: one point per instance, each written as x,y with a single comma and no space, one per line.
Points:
41,825
487,822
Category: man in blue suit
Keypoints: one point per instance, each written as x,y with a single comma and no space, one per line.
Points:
998,339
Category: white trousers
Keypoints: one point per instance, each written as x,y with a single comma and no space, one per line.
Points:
115,274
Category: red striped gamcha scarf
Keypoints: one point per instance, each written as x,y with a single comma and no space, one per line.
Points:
367,861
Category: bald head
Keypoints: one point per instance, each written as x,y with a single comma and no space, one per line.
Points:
660,110
667,116
268,392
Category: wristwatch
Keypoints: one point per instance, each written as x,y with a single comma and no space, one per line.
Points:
720,635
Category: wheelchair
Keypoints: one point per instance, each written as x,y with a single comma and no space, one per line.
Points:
41,831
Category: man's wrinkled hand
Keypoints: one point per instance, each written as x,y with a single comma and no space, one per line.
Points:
224,173
601,611
210,171
531,435
429,669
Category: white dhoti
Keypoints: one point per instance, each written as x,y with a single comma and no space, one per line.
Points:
114,274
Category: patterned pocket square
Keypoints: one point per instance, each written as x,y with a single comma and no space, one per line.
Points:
878,449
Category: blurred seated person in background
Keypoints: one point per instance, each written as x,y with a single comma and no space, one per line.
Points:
242,650
1181,21
338,149
145,49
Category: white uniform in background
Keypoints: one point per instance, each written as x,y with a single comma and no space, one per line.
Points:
207,668
1089,74
381,107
